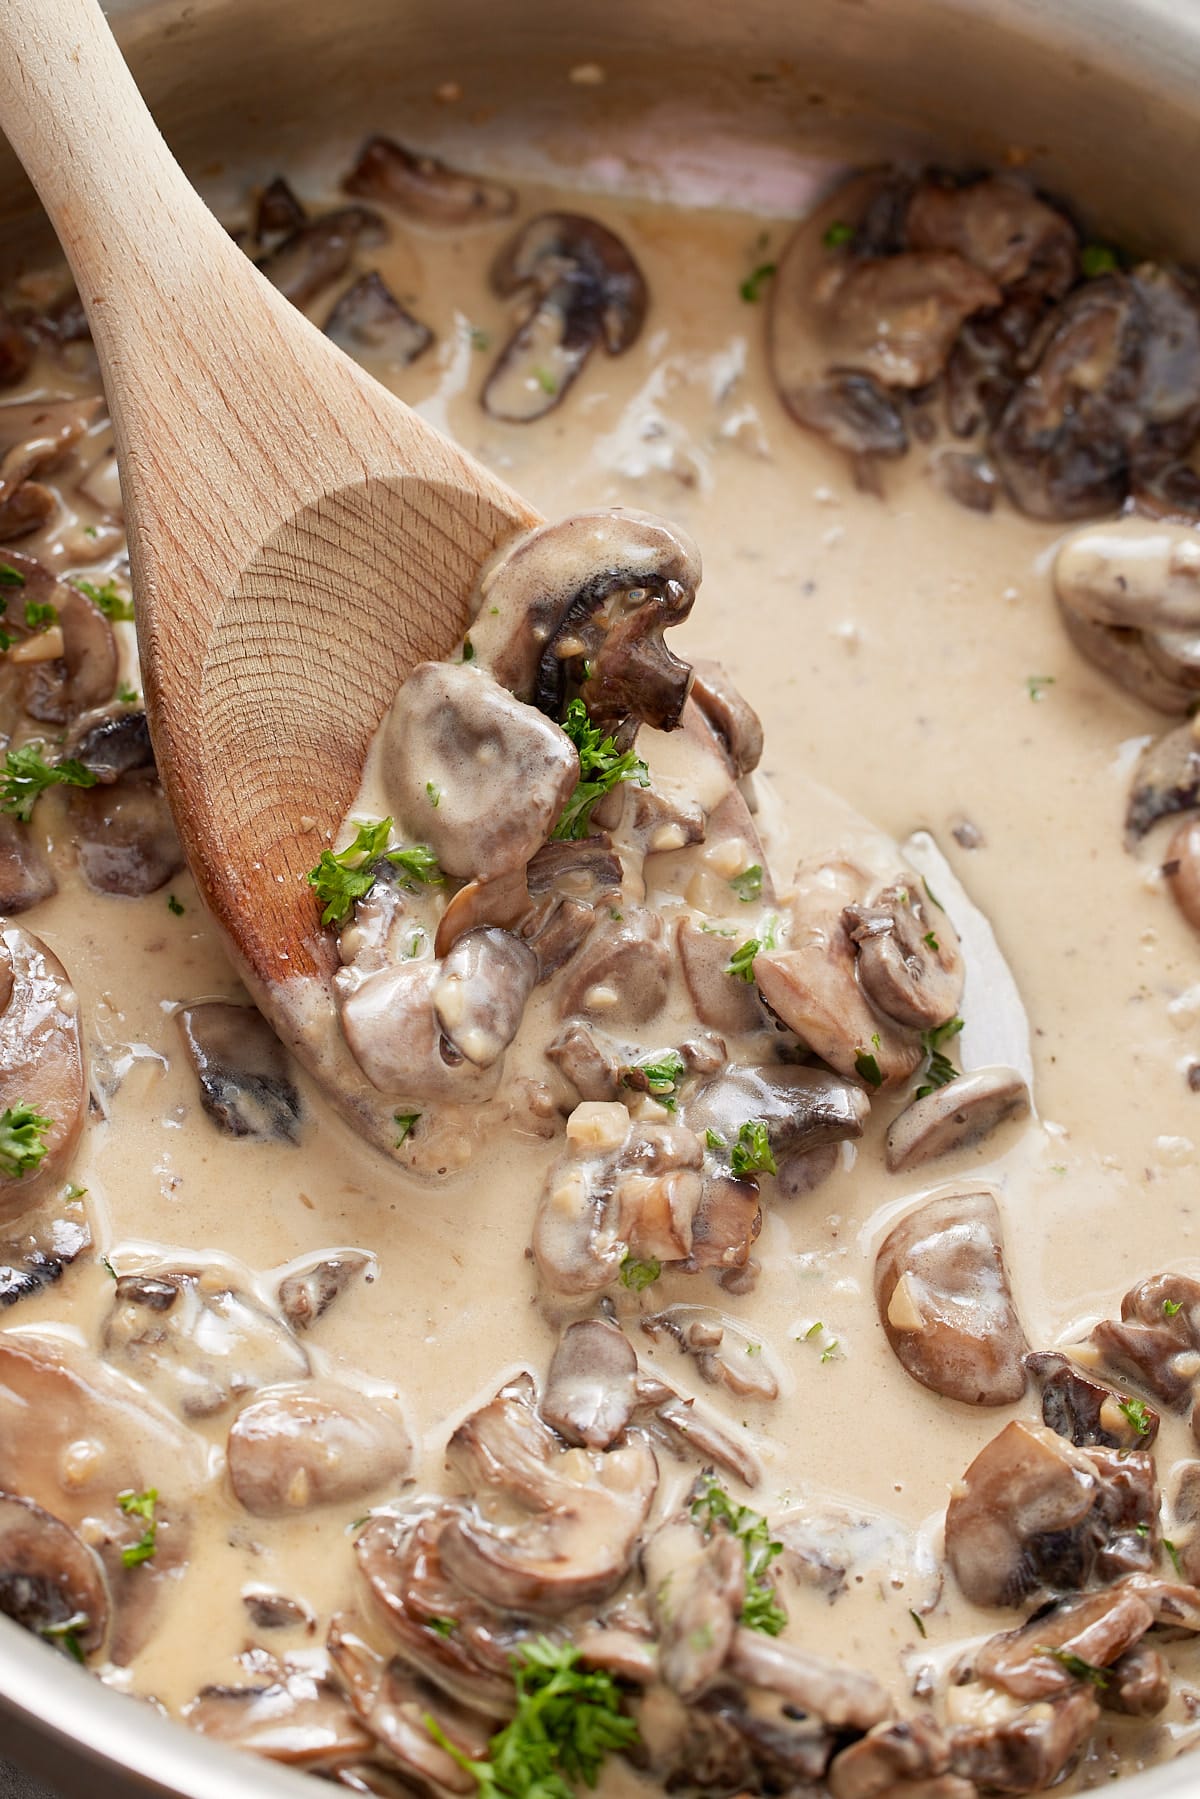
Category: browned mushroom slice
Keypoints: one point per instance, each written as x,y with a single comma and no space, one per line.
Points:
315,254
35,436
1080,1408
944,1301
955,1116
1157,1339
369,322
692,1433
587,290
308,1292
423,188
999,226
1027,1751
298,1719
696,1587
58,690
481,993
902,1759
196,1340
51,1583
269,1610
25,876
43,1081
1166,780
591,1389
909,960
801,1108
726,1005
1138,1684
732,718
725,1354
311,1445
843,1697
37,1257
396,1703
124,833
1032,1511
591,1064
246,1085
456,734
391,1025
621,974
278,211
1137,572
1123,655
1034,1661
727,1222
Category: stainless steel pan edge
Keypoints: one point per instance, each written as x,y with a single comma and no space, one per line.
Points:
707,100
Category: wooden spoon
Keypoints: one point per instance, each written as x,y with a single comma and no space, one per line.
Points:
299,538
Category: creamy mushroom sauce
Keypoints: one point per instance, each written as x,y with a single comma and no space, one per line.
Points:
904,655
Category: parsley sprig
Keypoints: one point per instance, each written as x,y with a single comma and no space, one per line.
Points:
602,766
343,876
22,1131
659,1076
112,602
27,775
940,1070
713,1508
567,1722
751,1154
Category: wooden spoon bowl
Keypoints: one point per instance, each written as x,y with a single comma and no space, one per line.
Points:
299,538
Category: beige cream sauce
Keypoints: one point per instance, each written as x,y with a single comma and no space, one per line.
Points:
889,648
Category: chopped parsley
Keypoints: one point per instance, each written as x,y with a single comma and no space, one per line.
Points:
468,654
748,885
751,1154
39,617
1171,1307
480,339
714,1140
751,288
713,1507
433,794
1098,259
174,906
829,1353
343,876
1137,1413
837,234
112,602
140,1505
567,1722
22,1133
27,775
930,941
1075,1665
1174,1555
126,694
918,1621
637,1276
10,576
1037,685
405,1122
602,766
545,381
741,963
442,1627
66,1635
660,1077
939,1070
867,1065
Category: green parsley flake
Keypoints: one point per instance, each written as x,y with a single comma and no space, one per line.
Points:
405,1123
567,1722
751,1154
65,1636
940,1070
442,1627
751,288
601,768
1137,1413
748,885
837,234
174,906
868,1068
1075,1665
918,1621
713,1509
27,775
637,1276
22,1131
140,1505
433,794
126,694
112,602
659,1077
1098,259
741,964
1174,1555
714,1140
1171,1307
1037,685
39,617
10,576
545,381
343,876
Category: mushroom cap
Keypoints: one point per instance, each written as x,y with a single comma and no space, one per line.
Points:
42,1061
391,1024
49,1578
502,773
1000,227
424,188
1016,1518
246,1084
314,1444
954,1117
591,1387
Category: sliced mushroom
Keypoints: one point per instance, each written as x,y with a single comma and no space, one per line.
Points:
1027,1750
316,253
298,1719
456,736
731,717
1125,656
246,1086
423,188
1138,1684
842,1697
954,1117
307,1293
945,1303
908,962
620,976
1034,1661
25,876
369,322
51,1583
907,1758
724,1004
315,1444
42,1067
481,993
1086,1412
802,1108
1000,227
848,323
1032,1511
124,833
591,1389
587,290
599,589
278,211
36,1258
269,1610
1166,780
84,675
35,438
391,1024
196,1340
726,1355
696,1587
1156,1342
395,1703
689,1431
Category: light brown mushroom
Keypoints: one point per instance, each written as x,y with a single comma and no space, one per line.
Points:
481,993
39,1252
840,1696
51,1583
298,1719
422,187
620,975
1085,1411
394,1703
307,1291
246,1084
591,1388
458,750
43,1079
802,1108
369,322
36,437
25,876
314,1444
954,1117
1166,780
1156,1341
726,1354
197,1341
731,717
124,834
696,1587
909,961
391,1024
906,1758
725,1005
317,252
1026,1750
587,291
1000,227
1034,1661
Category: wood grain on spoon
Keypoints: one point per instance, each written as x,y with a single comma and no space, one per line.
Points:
299,538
